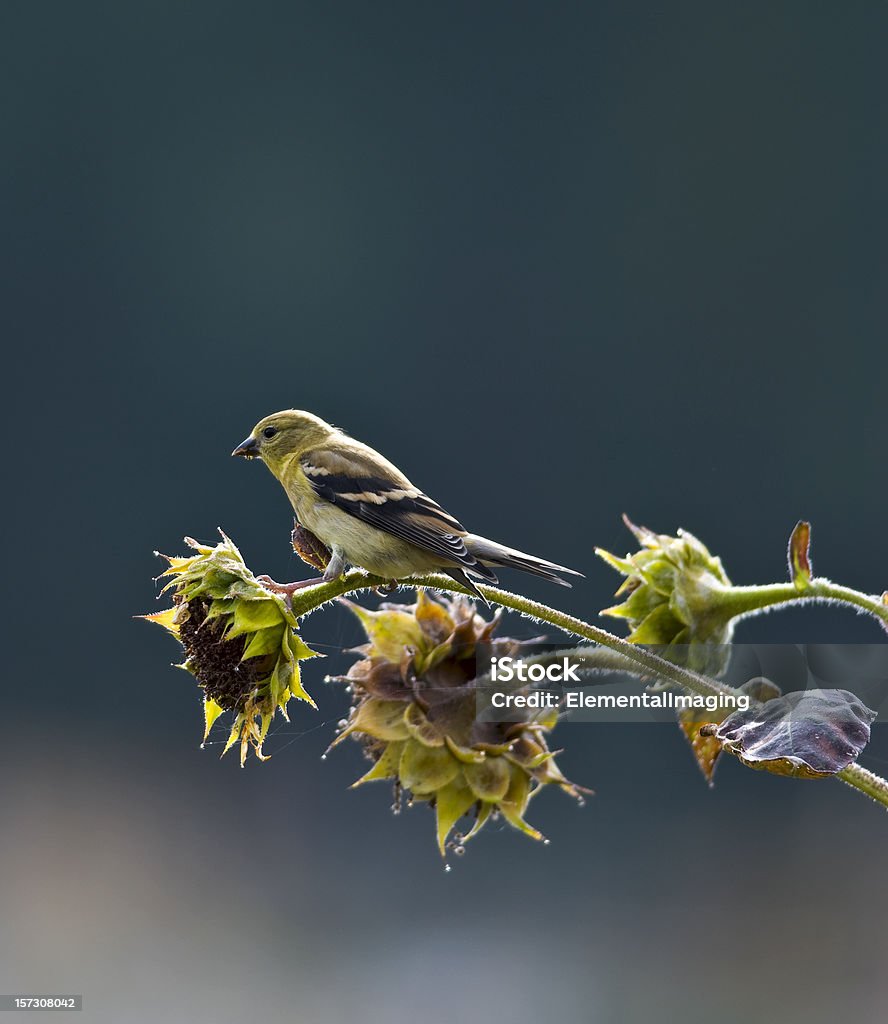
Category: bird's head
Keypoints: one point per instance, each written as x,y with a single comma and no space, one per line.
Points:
278,437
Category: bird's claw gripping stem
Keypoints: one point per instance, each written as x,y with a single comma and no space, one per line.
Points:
288,589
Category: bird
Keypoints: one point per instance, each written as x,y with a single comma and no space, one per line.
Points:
368,514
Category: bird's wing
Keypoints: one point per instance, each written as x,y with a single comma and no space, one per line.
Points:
357,484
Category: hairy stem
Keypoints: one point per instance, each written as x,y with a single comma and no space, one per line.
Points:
867,782
742,601
645,662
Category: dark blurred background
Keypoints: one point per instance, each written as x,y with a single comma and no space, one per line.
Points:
557,261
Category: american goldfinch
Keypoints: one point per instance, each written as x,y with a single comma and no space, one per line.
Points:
368,513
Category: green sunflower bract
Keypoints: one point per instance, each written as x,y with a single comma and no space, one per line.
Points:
672,598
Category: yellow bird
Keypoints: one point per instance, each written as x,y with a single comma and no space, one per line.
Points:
368,513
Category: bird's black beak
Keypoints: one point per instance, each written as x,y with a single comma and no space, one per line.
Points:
248,448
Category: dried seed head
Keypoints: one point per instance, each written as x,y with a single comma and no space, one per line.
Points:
218,663
241,641
415,715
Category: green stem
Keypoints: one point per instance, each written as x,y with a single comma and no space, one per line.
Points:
867,782
743,601
648,663
312,597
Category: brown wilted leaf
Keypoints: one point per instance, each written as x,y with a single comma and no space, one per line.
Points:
706,747
799,555
308,547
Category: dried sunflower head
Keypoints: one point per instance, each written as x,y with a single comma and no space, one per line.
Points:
241,641
415,712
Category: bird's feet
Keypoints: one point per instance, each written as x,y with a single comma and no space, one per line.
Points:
288,589
387,588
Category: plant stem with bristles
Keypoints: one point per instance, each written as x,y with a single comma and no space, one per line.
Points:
645,662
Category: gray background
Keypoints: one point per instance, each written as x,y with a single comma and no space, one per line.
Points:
559,262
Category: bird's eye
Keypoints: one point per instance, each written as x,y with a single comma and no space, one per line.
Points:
269,432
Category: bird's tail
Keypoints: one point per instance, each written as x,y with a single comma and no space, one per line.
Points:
488,552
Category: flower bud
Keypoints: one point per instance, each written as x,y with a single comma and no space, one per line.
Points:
674,589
